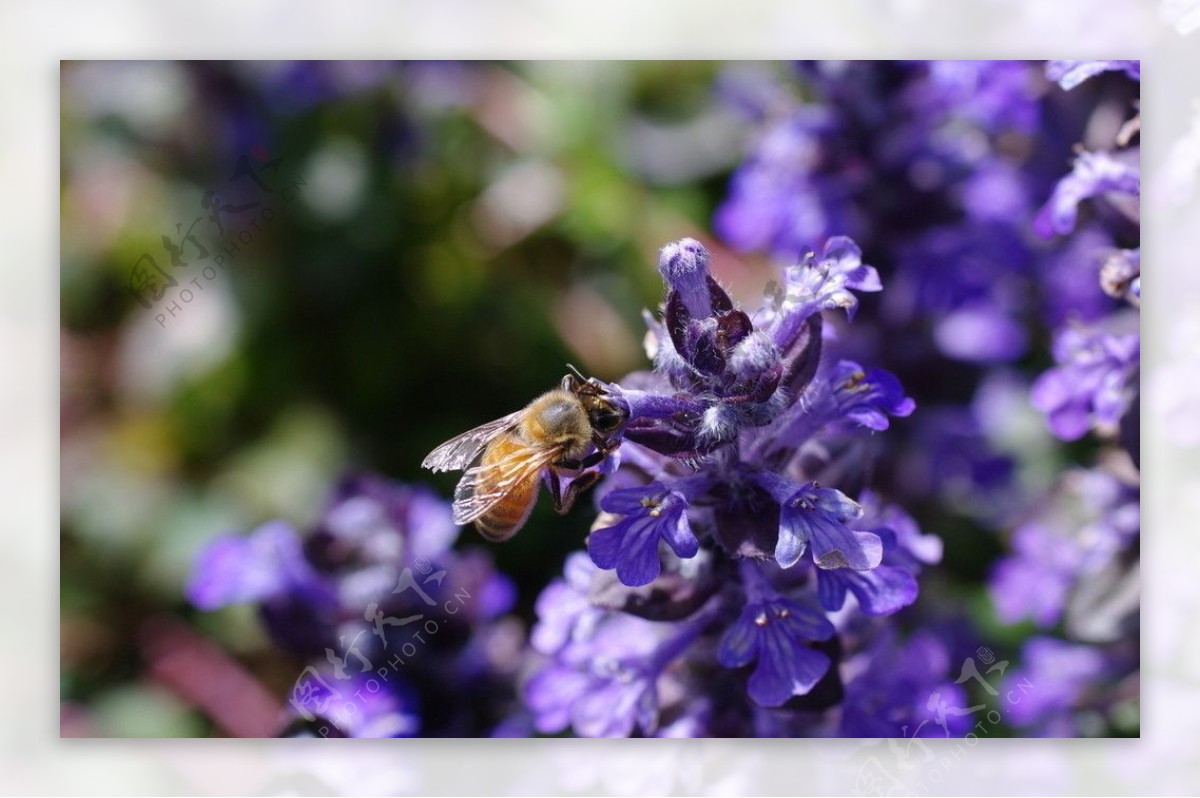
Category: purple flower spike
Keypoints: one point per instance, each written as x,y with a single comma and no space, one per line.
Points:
1070,74
712,350
775,632
652,513
725,441
1093,174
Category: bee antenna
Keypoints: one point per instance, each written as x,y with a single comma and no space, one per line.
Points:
575,371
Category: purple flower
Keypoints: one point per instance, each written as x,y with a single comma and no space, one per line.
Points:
869,396
728,374
1094,382
1070,74
1094,174
892,585
904,542
881,591
605,683
267,564
776,632
712,349
874,142
825,282
899,686
610,693
1045,690
651,514
814,515
366,585
779,200
1034,582
994,95
1069,280
1083,530
359,706
713,464
563,607
971,277
383,521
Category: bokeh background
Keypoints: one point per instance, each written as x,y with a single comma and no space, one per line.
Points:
445,238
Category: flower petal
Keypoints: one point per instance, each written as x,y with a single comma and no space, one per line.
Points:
604,544
793,540
679,536
740,643
638,562
626,501
551,693
881,591
785,668
835,545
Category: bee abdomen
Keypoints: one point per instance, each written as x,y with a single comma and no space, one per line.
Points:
503,520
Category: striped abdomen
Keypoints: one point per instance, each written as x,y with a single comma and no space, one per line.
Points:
509,514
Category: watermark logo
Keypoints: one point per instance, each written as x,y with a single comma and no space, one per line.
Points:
355,676
913,758
165,288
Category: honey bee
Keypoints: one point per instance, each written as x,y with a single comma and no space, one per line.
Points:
504,459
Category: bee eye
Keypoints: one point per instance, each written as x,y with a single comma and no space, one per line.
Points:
605,420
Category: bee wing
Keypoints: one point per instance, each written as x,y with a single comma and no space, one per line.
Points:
461,451
483,487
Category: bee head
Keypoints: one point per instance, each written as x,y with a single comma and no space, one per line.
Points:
605,416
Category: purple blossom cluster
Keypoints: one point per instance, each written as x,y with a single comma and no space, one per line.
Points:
1074,564
940,168
394,633
1078,536
755,564
951,174
1093,384
927,162
728,581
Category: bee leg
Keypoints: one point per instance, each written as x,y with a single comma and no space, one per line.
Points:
593,459
555,491
563,501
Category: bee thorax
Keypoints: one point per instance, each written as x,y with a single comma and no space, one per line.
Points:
558,419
